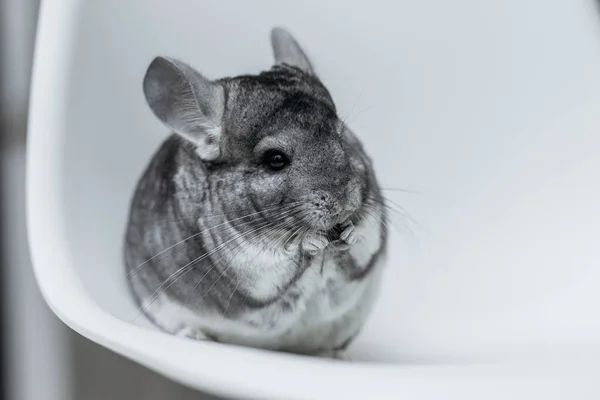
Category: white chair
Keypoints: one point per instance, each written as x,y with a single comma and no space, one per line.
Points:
487,111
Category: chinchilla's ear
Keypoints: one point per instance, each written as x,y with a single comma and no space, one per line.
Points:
287,51
186,102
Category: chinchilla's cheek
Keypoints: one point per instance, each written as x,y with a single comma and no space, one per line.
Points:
268,190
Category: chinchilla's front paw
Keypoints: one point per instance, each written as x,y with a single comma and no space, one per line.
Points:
314,242
347,237
348,234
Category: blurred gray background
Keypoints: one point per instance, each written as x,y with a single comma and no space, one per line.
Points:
43,359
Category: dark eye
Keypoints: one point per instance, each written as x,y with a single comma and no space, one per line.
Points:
275,160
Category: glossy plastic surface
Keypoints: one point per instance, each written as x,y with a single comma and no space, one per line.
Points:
487,112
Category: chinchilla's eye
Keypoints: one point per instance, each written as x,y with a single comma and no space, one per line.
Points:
275,160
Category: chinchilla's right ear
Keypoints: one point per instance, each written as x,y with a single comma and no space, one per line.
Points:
186,102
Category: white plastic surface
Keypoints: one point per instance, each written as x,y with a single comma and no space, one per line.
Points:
489,112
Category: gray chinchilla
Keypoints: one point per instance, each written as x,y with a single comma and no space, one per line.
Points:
259,221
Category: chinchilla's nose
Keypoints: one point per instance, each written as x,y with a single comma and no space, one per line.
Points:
324,200
323,209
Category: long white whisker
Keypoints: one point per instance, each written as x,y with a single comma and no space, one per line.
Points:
237,246
205,216
228,265
239,280
188,267
132,272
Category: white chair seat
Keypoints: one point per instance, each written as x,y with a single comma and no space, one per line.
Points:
487,111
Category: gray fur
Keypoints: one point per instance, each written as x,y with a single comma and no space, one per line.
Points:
210,174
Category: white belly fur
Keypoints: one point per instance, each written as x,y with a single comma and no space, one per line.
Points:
320,320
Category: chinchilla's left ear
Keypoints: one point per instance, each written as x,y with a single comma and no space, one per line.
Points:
287,50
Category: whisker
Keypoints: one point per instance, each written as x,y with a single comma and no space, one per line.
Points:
380,219
394,189
353,106
186,268
228,265
237,246
222,273
400,228
239,280
221,276
189,266
203,216
291,236
133,271
391,205
403,215
381,215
